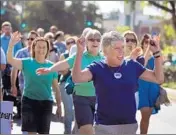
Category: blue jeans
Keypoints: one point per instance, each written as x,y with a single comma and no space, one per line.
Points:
68,109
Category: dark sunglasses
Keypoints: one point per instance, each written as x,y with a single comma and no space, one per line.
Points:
93,40
71,42
131,40
31,39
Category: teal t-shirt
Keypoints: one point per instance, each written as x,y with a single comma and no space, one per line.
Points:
37,87
84,89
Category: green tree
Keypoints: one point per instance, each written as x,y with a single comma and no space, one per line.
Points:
92,16
164,5
69,19
10,14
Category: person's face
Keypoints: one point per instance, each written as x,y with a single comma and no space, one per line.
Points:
53,30
146,44
7,30
41,49
131,43
69,43
93,43
31,39
115,52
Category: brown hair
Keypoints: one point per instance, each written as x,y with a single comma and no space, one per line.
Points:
34,43
131,33
34,33
144,37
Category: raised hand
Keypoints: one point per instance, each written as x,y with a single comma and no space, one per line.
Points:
41,71
136,53
81,44
154,44
15,38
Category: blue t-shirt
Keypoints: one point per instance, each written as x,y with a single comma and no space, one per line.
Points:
5,43
3,57
115,97
141,60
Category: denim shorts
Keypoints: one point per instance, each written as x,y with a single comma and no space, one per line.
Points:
84,110
36,115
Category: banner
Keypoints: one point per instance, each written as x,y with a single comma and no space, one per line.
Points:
6,116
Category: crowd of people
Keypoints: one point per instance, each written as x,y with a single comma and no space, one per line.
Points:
102,79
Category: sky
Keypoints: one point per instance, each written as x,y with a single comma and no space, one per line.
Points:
108,6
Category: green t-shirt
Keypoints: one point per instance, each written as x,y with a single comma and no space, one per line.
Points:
84,89
37,87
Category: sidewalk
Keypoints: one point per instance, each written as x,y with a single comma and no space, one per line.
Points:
171,93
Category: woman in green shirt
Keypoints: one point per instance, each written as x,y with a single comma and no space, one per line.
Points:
84,96
37,98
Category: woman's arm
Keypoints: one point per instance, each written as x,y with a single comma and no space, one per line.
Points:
157,75
79,75
61,59
56,90
57,67
17,63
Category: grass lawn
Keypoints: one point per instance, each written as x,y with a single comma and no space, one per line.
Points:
171,85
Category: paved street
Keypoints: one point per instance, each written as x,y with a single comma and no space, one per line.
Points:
162,123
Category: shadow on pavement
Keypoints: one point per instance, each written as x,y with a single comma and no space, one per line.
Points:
17,121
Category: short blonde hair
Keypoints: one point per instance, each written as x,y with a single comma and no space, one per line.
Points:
6,23
70,37
85,31
34,43
93,33
109,38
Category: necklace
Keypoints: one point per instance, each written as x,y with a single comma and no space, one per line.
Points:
117,74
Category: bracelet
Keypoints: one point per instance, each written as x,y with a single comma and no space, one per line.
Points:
156,52
157,56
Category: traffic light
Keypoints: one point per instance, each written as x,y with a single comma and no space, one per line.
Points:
89,23
23,25
3,11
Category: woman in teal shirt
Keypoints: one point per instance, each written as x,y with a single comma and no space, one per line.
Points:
37,98
84,97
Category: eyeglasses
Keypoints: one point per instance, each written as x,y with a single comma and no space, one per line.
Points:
131,40
71,42
31,39
93,40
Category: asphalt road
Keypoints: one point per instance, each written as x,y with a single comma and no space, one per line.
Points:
162,123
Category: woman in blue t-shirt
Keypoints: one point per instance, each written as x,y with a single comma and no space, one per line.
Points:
148,91
115,79
37,98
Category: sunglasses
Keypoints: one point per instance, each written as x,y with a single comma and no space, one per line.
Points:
71,42
93,40
31,39
131,40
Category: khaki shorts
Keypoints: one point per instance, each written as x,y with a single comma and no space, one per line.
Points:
116,129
